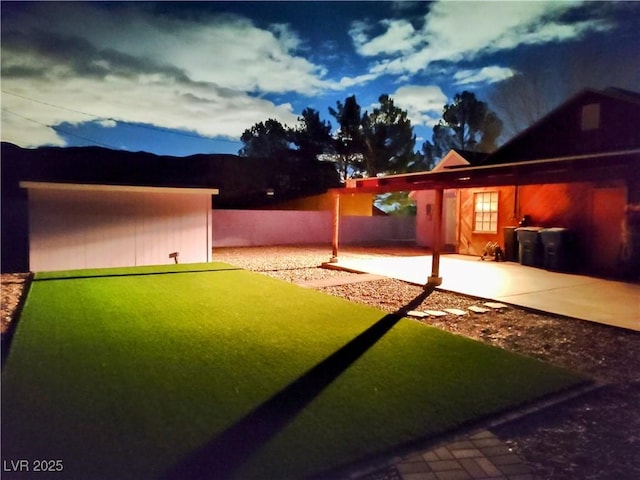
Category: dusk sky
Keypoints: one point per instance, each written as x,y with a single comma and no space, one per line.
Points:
181,78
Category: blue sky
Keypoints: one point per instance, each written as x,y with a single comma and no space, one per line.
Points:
180,78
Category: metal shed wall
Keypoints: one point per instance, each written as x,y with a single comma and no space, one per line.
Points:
76,229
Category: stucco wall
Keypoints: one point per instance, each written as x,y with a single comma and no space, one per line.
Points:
352,204
84,229
425,215
232,228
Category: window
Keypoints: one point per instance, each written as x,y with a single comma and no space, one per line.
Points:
590,117
485,212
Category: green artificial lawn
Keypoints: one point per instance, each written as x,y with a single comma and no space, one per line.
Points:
132,373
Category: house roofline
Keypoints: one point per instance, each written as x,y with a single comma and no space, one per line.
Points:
622,95
589,167
87,187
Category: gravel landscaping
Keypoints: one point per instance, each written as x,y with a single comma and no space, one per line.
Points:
594,436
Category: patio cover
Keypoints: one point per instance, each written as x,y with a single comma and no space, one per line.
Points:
606,166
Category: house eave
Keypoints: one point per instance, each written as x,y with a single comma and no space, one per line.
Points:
592,167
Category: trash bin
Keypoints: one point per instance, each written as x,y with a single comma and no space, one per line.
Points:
510,244
557,250
530,251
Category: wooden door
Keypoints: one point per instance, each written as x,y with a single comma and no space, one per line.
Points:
607,215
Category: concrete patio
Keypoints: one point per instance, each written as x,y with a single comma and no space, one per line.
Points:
577,296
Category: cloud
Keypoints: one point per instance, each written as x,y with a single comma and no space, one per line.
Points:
490,74
108,123
455,31
424,104
205,109
201,76
399,36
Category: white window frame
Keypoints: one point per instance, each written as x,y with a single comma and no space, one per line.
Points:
485,211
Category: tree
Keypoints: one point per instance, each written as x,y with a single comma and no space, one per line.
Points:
372,143
265,140
349,142
312,136
466,124
396,203
388,138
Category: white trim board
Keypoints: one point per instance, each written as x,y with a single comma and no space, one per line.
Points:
116,188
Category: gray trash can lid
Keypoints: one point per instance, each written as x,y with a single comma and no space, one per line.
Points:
555,229
529,229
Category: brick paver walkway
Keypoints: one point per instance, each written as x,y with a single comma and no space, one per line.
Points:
480,455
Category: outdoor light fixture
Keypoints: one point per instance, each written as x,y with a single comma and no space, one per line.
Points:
270,192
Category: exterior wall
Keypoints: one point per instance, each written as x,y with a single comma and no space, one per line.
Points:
594,212
243,228
472,243
358,229
425,200
424,217
84,229
563,204
233,228
350,205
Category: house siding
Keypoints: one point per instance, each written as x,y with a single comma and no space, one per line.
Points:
593,212
473,243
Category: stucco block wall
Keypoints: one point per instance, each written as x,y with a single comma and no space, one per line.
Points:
84,229
360,204
356,229
234,228
243,228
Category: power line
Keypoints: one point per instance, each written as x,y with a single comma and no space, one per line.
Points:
98,117
58,129
54,106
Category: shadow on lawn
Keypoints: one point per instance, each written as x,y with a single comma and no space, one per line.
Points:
223,455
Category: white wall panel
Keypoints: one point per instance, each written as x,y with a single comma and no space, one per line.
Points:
72,229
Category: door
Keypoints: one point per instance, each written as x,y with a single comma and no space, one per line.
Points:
607,215
450,221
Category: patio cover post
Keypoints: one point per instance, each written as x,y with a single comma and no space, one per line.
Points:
336,228
435,279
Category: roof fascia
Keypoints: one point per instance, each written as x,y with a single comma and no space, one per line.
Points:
619,165
87,187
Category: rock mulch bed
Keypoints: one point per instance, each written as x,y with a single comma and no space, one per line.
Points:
595,436
12,287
